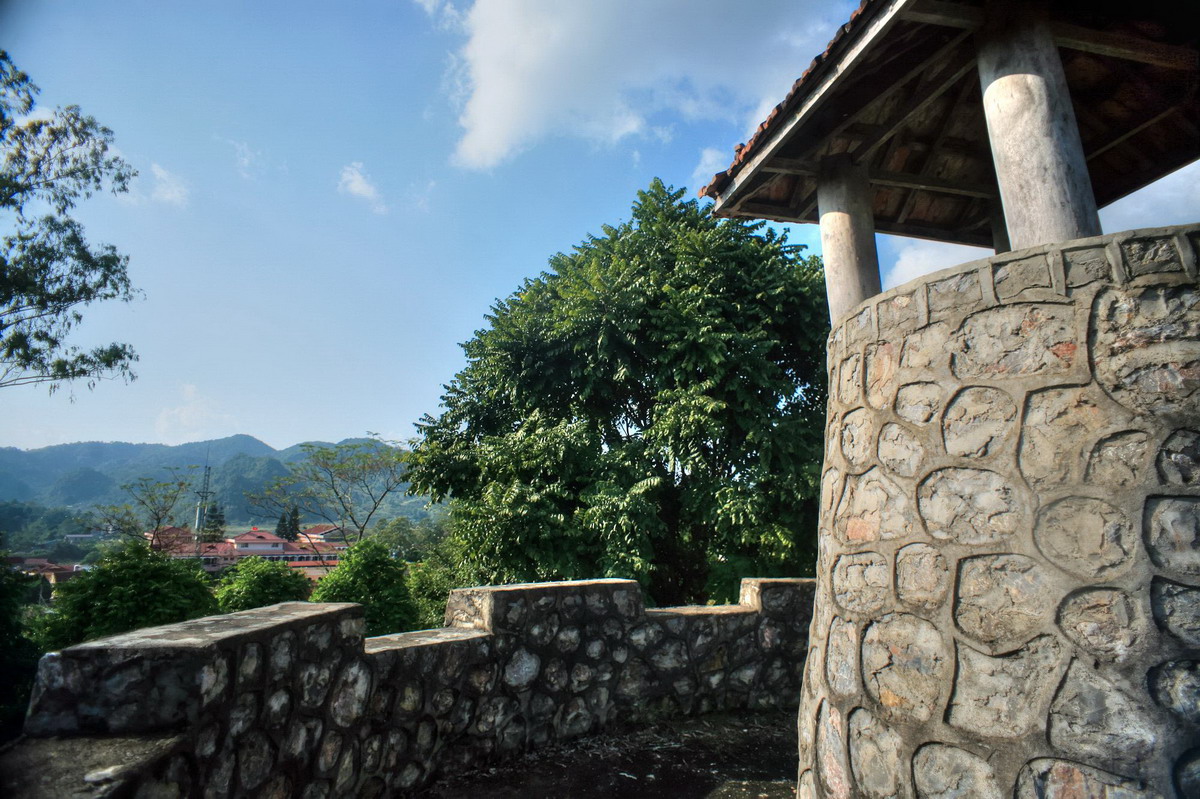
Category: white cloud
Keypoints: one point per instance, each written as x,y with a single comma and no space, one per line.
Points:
419,196
168,188
915,257
1173,200
248,161
607,71
355,182
712,161
197,417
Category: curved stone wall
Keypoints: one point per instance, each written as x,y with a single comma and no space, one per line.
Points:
1008,599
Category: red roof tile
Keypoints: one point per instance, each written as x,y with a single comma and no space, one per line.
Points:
742,152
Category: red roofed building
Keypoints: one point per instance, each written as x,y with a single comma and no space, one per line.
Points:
219,555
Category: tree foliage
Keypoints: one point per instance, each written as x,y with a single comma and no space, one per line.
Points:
213,528
153,506
369,575
254,583
130,587
48,270
650,407
18,653
345,484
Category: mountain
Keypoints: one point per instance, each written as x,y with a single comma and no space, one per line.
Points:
85,474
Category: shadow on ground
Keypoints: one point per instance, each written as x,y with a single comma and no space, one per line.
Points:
720,756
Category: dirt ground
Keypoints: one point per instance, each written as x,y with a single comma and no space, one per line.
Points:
719,756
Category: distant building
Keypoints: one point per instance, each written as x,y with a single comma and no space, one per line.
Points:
313,558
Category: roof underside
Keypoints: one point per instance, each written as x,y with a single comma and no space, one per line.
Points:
898,90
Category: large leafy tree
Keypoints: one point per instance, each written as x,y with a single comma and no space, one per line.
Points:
130,587
651,407
254,582
48,270
369,575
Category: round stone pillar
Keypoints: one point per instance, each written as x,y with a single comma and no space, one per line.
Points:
1040,167
1008,596
847,234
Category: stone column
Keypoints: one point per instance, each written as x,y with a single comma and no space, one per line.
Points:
847,234
1039,160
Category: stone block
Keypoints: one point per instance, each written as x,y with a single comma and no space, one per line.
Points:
922,576
882,361
861,581
971,506
875,756
1002,600
1176,608
947,772
1014,279
1147,349
1118,460
978,422
905,666
900,450
1172,530
1016,341
1094,720
1085,536
1178,460
1104,622
1176,686
1005,697
919,402
1086,266
1048,778
868,500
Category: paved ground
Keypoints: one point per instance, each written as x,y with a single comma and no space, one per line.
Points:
720,756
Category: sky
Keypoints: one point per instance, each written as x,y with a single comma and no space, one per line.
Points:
331,196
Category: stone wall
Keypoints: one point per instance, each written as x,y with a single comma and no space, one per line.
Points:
1009,578
290,700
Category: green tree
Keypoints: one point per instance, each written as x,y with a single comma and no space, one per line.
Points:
18,653
152,508
369,575
130,587
281,526
344,484
651,407
48,270
213,528
254,583
410,540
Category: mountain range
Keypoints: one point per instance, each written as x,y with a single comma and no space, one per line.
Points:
90,473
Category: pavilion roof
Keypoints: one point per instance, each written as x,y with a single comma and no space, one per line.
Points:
897,89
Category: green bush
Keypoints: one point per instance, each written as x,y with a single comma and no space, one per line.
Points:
254,583
130,587
369,575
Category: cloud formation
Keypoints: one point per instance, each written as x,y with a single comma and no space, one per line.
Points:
355,182
169,188
195,418
532,69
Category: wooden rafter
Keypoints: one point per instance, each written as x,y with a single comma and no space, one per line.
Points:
1124,46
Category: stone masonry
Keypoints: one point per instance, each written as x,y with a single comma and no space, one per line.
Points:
1008,600
290,700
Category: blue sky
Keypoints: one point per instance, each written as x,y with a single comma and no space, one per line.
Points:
331,195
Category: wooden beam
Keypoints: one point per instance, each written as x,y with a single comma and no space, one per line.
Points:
899,180
831,74
1073,37
915,105
1125,47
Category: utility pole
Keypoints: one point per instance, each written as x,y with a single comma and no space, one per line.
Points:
201,507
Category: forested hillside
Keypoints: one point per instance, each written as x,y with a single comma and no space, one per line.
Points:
80,476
